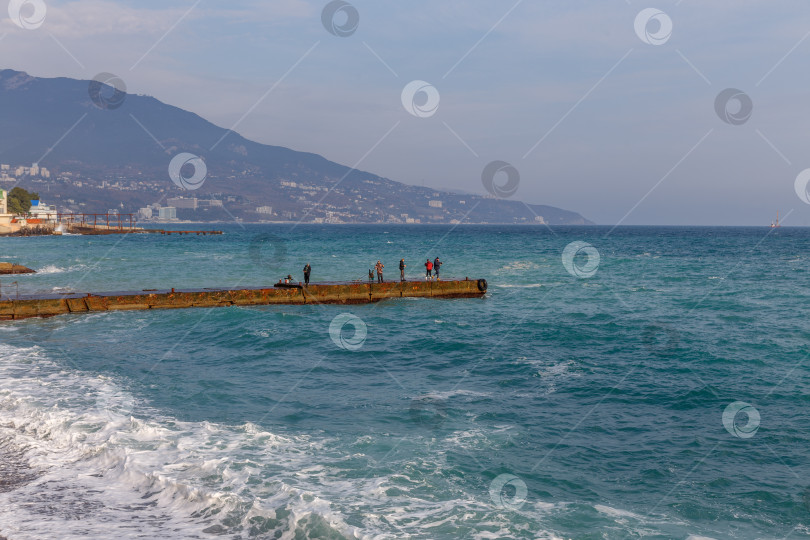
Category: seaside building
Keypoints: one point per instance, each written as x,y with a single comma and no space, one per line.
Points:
145,213
42,212
182,202
209,202
435,204
5,218
167,213
264,210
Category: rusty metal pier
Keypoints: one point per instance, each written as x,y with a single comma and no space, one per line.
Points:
29,306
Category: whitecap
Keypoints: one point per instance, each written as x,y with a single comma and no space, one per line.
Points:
51,269
615,512
517,266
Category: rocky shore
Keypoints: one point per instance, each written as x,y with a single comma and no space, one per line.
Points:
9,268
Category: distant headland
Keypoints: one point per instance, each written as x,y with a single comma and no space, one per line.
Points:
117,160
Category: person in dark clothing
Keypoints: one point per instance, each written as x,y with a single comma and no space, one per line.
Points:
370,274
379,267
307,272
402,266
436,265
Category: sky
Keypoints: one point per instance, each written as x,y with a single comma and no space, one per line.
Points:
608,108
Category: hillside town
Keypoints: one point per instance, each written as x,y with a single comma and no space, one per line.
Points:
246,196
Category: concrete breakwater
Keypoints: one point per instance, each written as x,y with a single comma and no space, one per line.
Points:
28,306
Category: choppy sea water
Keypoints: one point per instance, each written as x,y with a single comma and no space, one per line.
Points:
653,385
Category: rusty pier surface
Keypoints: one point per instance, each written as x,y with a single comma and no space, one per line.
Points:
28,306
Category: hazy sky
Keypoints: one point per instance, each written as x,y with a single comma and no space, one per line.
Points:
601,115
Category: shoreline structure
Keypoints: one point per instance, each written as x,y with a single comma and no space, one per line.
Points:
7,268
50,305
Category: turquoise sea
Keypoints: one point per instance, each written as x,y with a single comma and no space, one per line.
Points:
642,382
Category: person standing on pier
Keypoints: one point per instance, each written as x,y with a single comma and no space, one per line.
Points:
402,266
436,265
428,269
379,266
307,272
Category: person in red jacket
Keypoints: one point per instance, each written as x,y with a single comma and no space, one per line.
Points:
429,268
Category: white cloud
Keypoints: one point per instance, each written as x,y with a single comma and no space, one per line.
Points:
84,19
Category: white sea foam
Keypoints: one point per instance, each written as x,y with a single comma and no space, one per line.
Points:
459,324
53,269
453,393
97,471
102,473
616,512
517,267
103,464
61,289
50,269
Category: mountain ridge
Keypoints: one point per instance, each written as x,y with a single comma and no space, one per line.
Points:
129,144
